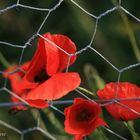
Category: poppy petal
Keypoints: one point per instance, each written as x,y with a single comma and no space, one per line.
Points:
16,100
19,73
125,90
55,87
16,78
37,64
95,124
78,137
51,53
16,82
98,122
82,118
68,46
38,103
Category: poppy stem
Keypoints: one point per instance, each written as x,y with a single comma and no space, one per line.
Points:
87,91
53,119
4,61
40,123
99,134
130,127
85,137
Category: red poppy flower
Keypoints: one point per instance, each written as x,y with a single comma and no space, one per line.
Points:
44,78
82,118
16,84
125,90
15,80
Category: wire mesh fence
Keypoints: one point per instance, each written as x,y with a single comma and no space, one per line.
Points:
48,16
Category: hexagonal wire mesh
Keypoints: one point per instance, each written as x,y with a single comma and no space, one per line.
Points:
19,6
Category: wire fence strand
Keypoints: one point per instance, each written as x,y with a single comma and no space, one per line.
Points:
48,12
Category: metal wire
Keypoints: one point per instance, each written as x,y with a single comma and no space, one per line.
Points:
48,12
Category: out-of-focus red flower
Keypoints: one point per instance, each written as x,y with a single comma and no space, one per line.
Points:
15,81
44,78
82,118
16,84
124,90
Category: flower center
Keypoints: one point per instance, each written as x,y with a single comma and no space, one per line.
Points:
84,115
41,77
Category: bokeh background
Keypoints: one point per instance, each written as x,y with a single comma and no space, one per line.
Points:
117,39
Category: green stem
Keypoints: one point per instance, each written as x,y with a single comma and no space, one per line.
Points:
99,134
130,33
94,80
40,123
36,116
4,61
103,135
87,91
130,127
55,122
